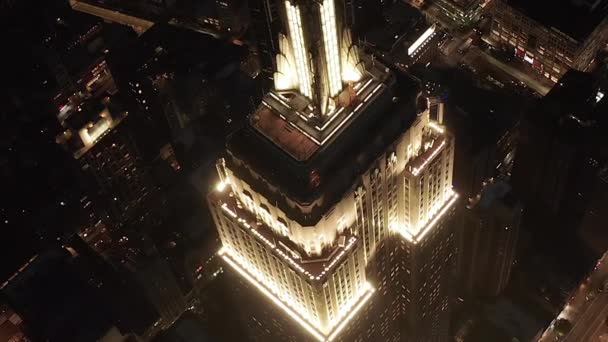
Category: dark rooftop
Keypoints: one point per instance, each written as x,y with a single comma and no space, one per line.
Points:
52,296
585,97
166,48
283,134
404,23
494,192
576,18
580,118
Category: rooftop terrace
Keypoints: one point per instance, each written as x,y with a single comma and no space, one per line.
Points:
278,151
289,121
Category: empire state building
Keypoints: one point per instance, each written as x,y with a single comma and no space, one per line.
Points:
335,201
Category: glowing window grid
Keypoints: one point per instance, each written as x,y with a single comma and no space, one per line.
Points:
286,305
441,208
271,284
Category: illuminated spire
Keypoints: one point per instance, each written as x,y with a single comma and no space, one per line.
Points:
298,43
317,56
286,76
330,43
352,69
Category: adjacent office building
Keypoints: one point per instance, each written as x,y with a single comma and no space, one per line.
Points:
552,36
335,201
592,221
562,150
216,17
169,79
462,12
159,285
134,279
422,47
406,40
487,244
560,167
95,132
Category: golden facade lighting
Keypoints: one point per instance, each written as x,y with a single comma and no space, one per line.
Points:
286,76
319,77
428,227
352,70
436,127
330,40
270,295
429,223
296,33
313,266
287,304
426,161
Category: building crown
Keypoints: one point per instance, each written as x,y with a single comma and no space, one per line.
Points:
317,58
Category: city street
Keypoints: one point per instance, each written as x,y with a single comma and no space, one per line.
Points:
458,50
593,317
530,80
586,309
478,60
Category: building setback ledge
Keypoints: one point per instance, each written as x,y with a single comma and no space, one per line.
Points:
315,331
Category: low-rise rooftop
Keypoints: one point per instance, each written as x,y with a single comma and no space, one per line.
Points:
86,124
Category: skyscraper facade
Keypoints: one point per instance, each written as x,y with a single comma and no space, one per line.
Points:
489,240
335,200
560,154
96,133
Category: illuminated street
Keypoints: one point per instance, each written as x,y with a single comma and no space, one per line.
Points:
530,80
586,310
